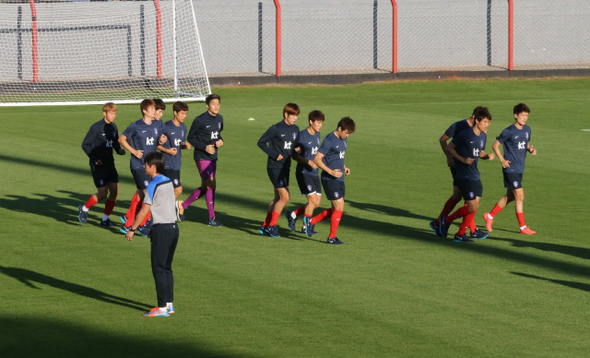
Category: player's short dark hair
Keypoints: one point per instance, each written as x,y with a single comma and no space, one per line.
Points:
211,97
476,109
292,109
157,159
482,113
346,123
179,106
143,106
316,116
521,107
159,104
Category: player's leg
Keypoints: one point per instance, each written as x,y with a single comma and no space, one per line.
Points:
519,208
337,211
113,192
211,185
100,178
472,207
450,204
199,192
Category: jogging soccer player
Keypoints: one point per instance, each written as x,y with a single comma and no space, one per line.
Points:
135,202
101,139
279,142
516,141
450,133
176,133
140,138
467,148
306,171
205,137
330,159
159,200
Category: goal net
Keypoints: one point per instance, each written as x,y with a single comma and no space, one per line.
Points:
63,52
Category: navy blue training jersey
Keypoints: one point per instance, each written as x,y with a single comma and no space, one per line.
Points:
333,149
515,142
100,141
457,128
309,145
469,145
176,135
205,130
280,138
142,136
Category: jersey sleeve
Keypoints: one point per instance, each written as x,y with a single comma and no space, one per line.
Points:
193,135
130,131
326,146
450,132
263,142
88,143
504,136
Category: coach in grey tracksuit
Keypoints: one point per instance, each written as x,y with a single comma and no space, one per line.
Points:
160,200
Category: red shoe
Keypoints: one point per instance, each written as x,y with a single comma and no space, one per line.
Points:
489,222
527,231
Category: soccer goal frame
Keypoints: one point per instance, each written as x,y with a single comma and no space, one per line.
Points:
55,57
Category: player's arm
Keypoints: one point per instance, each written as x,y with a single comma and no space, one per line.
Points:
443,144
530,148
318,160
263,143
484,155
220,141
451,149
346,170
88,145
117,146
125,144
145,209
496,148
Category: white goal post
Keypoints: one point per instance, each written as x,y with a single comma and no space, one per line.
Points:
64,52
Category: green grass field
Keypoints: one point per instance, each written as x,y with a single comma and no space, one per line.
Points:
394,289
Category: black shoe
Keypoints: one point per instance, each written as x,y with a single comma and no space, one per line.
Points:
443,228
273,231
144,230
82,215
335,241
291,221
479,235
308,226
214,222
435,228
264,231
106,223
462,238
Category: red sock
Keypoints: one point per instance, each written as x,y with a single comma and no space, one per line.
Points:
520,217
147,217
460,213
334,222
268,219
108,207
300,211
275,218
91,201
495,210
132,206
472,226
467,220
321,216
131,214
449,206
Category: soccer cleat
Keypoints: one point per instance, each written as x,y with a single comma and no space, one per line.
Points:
264,231
304,228
527,231
273,231
335,241
106,223
144,230
489,221
308,226
171,309
462,238
82,215
124,218
479,235
124,229
435,228
179,210
214,222
149,223
443,228
291,221
157,312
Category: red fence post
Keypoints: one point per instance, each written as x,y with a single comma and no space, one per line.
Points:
394,36
510,35
35,64
159,37
278,36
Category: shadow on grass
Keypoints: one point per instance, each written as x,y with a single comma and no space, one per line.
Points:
571,284
580,252
30,278
46,337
